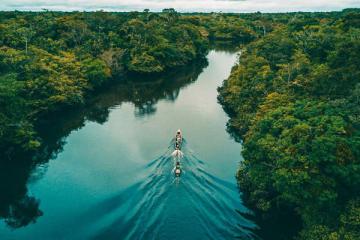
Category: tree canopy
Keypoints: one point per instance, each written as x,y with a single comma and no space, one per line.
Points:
293,99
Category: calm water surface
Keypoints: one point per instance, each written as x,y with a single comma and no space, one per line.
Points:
106,169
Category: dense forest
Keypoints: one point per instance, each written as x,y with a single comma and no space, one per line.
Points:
294,102
293,97
50,60
54,60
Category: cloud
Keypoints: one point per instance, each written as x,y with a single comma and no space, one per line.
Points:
182,5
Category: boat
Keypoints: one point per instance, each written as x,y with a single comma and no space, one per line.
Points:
178,140
177,169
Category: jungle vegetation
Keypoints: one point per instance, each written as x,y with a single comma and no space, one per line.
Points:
293,97
54,60
294,102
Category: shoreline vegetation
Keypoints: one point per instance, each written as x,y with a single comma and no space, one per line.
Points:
54,60
294,103
293,98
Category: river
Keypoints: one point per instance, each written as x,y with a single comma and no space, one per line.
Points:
106,171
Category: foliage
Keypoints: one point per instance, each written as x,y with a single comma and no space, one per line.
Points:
52,60
293,100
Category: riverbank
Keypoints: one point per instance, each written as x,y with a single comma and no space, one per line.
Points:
293,99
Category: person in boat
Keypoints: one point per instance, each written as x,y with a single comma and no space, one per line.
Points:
178,140
177,170
178,136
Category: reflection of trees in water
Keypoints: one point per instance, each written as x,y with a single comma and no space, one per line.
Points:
226,46
24,211
145,92
147,108
17,208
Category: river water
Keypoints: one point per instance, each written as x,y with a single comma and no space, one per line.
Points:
106,170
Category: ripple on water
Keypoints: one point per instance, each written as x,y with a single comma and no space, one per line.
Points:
154,207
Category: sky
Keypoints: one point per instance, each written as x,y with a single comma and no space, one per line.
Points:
181,5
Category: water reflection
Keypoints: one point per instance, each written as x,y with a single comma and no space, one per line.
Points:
226,46
17,207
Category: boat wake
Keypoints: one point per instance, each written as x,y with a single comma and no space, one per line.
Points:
163,206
